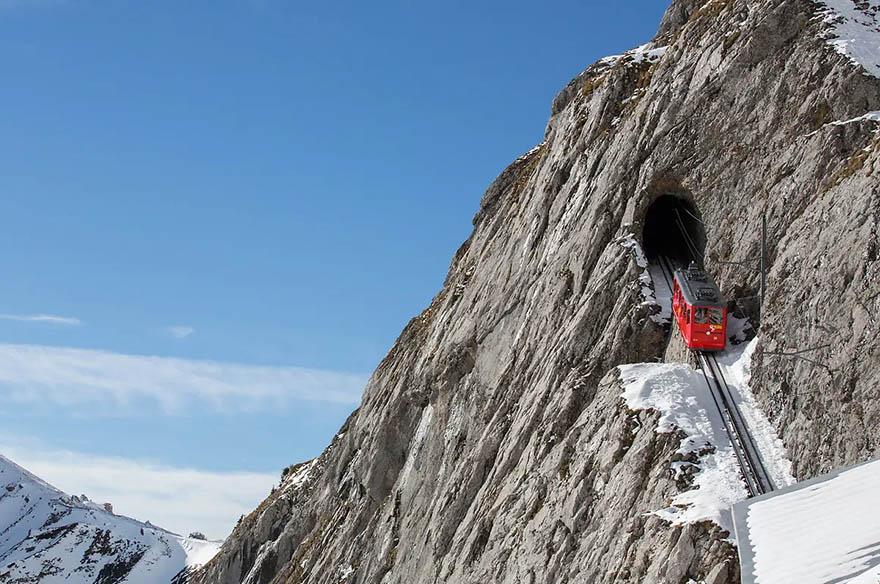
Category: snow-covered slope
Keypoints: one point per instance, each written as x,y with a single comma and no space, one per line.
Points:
706,459
823,530
49,537
855,31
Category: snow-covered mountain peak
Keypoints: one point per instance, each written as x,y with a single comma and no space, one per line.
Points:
48,537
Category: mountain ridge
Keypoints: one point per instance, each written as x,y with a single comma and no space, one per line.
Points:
47,537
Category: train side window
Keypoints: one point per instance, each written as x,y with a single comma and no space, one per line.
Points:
701,315
687,314
716,316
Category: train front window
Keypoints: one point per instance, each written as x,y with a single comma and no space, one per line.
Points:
707,315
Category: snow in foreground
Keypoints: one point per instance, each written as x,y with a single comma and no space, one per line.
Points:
49,537
821,531
679,392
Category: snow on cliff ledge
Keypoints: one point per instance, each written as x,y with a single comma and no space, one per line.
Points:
679,392
855,30
641,54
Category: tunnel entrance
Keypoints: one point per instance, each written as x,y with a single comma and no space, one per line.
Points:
673,228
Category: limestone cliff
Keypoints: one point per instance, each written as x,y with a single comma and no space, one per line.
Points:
491,446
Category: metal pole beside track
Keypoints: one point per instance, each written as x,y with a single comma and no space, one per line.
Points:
763,264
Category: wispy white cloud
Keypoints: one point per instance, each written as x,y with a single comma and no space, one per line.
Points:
108,383
42,318
180,331
179,499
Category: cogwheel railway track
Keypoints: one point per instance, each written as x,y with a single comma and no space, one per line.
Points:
755,474
757,478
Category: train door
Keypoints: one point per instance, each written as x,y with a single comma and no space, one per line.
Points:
676,298
687,324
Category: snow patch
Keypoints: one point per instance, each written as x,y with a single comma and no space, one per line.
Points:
825,530
737,328
529,153
297,479
868,117
629,241
681,396
40,526
345,571
662,294
654,289
854,31
636,56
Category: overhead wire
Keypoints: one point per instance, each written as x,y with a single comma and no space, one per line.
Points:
687,237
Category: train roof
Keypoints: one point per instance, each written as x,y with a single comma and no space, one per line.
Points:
698,288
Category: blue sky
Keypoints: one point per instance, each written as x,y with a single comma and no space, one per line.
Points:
258,194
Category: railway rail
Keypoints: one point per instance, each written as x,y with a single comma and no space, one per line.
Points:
755,475
754,472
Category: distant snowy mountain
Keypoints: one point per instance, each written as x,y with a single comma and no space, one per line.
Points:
49,537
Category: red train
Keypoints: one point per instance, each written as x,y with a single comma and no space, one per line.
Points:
699,309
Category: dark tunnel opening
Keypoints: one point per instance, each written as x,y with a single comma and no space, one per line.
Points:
673,228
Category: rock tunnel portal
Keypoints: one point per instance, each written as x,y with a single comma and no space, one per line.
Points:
673,228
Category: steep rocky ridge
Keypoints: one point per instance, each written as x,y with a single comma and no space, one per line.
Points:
492,444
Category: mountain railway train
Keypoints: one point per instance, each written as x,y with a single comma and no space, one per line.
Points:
699,310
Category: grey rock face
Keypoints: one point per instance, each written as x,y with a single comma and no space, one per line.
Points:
492,444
